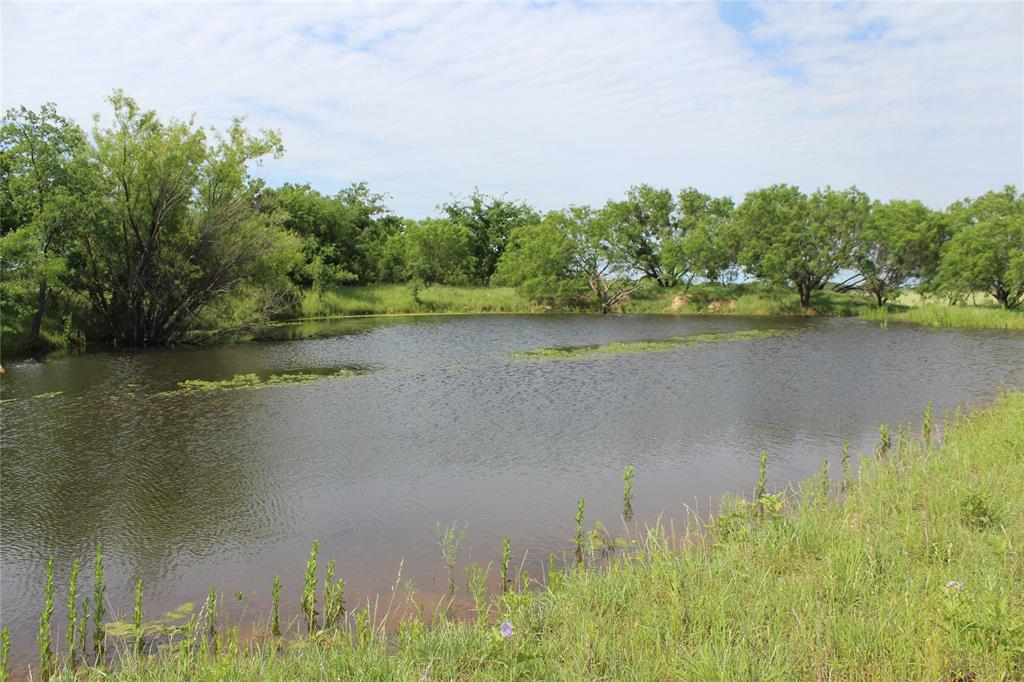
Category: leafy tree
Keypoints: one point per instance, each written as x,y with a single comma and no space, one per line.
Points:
44,203
438,251
640,224
701,245
570,252
343,235
786,237
540,260
186,224
489,220
899,241
987,251
327,238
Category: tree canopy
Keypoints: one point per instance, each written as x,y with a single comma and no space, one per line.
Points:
986,252
787,237
148,229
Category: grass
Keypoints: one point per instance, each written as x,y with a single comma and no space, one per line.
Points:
741,299
380,299
913,570
961,317
633,347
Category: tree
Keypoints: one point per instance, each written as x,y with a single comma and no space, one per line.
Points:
640,224
571,251
343,235
327,243
899,241
787,237
438,251
540,260
987,251
44,197
186,224
489,220
701,245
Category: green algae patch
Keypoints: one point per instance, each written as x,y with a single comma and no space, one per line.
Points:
634,347
255,381
46,396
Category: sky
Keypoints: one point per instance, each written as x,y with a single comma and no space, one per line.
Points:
560,103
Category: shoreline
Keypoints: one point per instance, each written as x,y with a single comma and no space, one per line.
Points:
799,561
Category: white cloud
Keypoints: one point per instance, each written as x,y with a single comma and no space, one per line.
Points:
565,103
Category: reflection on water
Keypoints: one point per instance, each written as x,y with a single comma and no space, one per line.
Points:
228,487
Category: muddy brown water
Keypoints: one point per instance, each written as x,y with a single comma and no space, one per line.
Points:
433,422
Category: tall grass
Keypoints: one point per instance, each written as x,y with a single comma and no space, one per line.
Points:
402,298
913,573
969,317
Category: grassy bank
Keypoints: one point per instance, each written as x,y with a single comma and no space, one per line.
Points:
741,299
379,299
738,299
965,317
912,570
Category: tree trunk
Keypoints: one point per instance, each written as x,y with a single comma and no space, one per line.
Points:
805,294
1003,296
37,319
880,297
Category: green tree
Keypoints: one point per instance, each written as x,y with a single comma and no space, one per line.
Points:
987,251
701,245
328,239
640,224
540,260
44,203
786,237
489,220
186,224
438,251
571,252
899,241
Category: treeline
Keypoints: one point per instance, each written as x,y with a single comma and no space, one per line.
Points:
140,232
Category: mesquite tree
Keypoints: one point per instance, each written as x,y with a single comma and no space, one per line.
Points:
184,223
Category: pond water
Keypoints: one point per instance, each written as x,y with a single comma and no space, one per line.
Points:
367,433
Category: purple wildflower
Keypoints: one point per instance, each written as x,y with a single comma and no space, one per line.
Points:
955,586
505,629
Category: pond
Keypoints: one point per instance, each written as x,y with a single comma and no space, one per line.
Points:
218,466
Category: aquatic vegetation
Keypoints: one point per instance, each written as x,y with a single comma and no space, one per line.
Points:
627,492
632,347
100,612
275,617
450,541
580,508
210,607
5,652
48,395
309,588
72,612
926,425
137,618
845,459
506,554
46,657
256,381
334,598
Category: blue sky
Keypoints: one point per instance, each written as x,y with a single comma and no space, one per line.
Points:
561,103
